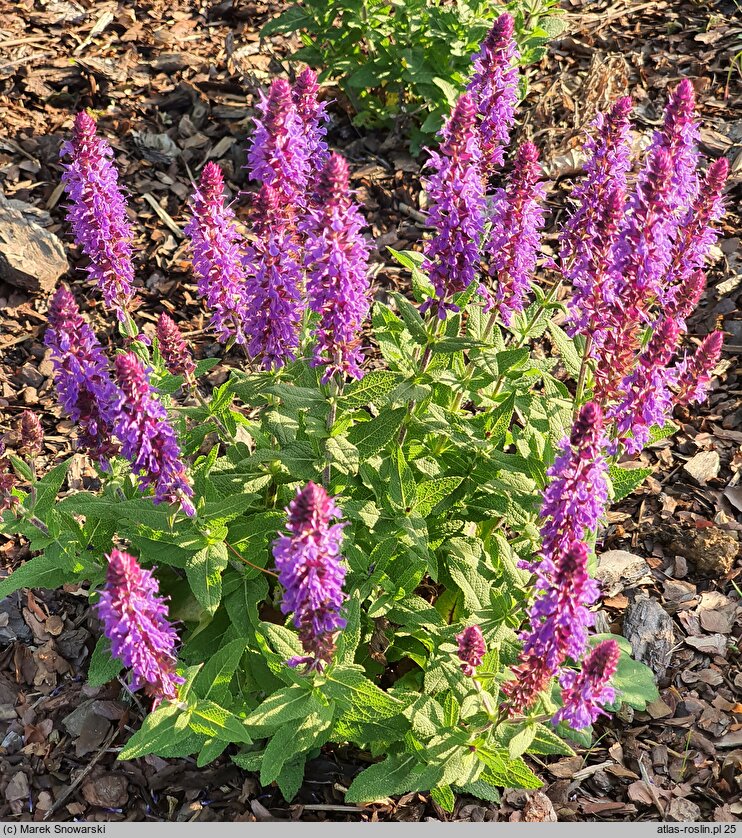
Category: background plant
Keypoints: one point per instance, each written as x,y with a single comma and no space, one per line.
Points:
405,63
443,508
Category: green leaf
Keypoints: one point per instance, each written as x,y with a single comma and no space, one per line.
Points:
212,749
212,720
48,489
521,742
294,18
548,743
634,682
371,389
566,348
395,775
290,741
501,770
282,708
204,572
49,570
444,797
216,675
370,437
343,454
291,777
432,492
103,667
412,319
158,732
625,480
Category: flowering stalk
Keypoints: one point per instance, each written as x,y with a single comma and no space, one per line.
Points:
274,281
514,239
591,231
313,115
641,258
678,136
175,352
134,618
8,482
694,372
217,261
83,383
97,213
646,399
559,616
696,234
584,692
147,438
309,569
494,88
457,208
31,440
337,273
279,151
472,649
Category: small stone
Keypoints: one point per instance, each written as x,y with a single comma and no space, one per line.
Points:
108,790
29,374
618,570
704,466
649,629
539,809
31,257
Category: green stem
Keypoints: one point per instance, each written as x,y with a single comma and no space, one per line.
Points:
248,562
583,374
335,390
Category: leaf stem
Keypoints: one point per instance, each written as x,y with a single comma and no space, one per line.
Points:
248,562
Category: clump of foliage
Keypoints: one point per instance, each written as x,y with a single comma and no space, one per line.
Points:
404,63
396,559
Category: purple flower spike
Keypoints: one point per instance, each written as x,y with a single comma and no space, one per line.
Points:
472,649
274,281
559,621
217,261
337,273
175,352
457,208
577,493
514,239
83,383
309,569
647,400
641,256
694,372
591,232
97,212
134,618
313,115
696,234
494,88
686,298
279,152
584,692
679,137
147,438
559,617
31,441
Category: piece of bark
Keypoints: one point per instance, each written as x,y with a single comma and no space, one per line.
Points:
648,627
618,570
31,257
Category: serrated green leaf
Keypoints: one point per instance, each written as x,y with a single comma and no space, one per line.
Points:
501,770
432,492
212,748
204,572
412,319
158,732
625,480
213,680
210,719
283,707
370,437
290,741
371,389
103,667
395,775
566,349
444,797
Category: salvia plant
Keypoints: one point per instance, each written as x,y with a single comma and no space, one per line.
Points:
402,64
397,559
